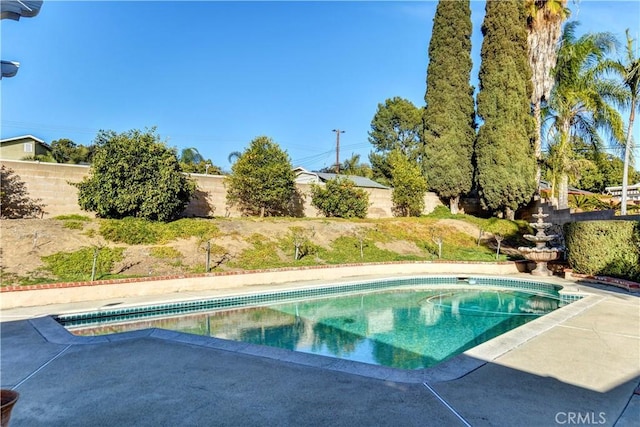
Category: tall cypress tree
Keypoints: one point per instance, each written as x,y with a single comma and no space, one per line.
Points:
449,117
504,147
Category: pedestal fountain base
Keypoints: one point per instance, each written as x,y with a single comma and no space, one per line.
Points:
541,257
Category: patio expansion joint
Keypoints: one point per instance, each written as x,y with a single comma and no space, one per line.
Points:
446,404
41,367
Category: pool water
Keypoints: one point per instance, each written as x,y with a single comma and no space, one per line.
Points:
407,328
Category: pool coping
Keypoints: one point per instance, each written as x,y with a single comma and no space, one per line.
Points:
452,369
17,297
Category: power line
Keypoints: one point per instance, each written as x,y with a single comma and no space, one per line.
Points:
312,158
41,126
204,138
314,154
72,129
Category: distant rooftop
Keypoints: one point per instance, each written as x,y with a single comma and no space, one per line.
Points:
18,138
359,181
544,185
633,191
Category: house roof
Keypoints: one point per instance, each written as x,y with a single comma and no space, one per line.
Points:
359,181
619,187
19,138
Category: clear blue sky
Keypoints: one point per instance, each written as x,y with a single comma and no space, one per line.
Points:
214,75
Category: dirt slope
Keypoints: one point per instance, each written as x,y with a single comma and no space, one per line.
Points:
23,242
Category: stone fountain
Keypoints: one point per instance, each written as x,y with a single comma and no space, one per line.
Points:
541,254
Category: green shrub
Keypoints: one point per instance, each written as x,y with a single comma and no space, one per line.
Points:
340,198
165,252
610,248
132,231
138,231
299,242
73,221
73,225
442,212
262,254
587,202
262,181
346,249
409,185
184,228
134,174
481,253
77,265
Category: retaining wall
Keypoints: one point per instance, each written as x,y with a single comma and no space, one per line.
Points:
50,182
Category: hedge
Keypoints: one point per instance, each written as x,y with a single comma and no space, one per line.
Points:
607,248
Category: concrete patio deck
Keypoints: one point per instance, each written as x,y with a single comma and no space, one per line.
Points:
578,365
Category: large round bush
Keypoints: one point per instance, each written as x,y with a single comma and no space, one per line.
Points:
610,248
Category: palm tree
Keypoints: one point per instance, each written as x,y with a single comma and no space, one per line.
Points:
191,156
352,166
233,156
629,72
579,106
544,27
561,163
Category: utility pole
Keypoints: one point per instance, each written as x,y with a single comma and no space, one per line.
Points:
338,132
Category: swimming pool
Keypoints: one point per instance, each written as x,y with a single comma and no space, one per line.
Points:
408,323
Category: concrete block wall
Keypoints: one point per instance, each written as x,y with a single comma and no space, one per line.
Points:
50,182
210,198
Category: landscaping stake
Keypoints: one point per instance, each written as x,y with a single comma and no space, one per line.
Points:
95,263
499,239
207,268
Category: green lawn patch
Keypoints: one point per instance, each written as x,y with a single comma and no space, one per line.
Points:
137,231
77,266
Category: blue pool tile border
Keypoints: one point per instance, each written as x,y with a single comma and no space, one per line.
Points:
221,303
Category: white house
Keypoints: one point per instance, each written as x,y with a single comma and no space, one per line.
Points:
633,192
